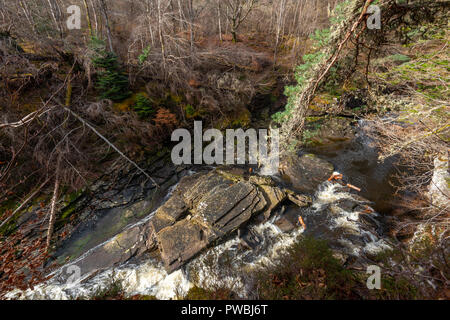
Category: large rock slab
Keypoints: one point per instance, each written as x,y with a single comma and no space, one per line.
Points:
176,207
132,242
228,208
181,242
305,173
213,207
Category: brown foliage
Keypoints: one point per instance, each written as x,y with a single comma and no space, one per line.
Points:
22,259
165,119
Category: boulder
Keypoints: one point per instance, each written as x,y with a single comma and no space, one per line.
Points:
305,173
250,239
285,225
205,184
181,242
288,219
206,208
227,209
169,213
299,200
175,207
217,208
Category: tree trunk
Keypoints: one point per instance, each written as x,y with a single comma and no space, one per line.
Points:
88,17
95,16
161,37
55,16
51,223
104,10
220,21
233,33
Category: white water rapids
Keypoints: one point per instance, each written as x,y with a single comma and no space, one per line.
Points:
226,264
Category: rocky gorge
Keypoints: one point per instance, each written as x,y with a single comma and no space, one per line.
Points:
207,225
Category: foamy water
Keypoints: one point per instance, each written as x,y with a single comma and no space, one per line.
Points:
224,265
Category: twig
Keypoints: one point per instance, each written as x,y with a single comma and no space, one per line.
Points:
25,202
111,145
51,222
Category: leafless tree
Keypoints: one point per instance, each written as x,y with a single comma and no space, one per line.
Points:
237,13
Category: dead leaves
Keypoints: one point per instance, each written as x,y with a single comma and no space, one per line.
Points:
22,260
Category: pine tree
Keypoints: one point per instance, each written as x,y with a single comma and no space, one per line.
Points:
112,82
143,106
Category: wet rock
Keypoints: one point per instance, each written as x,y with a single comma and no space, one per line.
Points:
262,180
126,245
213,206
328,132
300,200
305,173
285,225
346,205
274,197
250,239
288,219
370,221
110,206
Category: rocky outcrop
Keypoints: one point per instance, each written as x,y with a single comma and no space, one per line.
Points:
305,173
207,207
132,242
213,207
204,209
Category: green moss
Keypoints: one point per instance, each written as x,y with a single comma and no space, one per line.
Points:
197,293
421,72
310,136
11,226
142,297
113,291
230,175
241,119
307,270
79,247
190,111
396,289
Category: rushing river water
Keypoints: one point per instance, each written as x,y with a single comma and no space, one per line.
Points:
213,267
231,265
